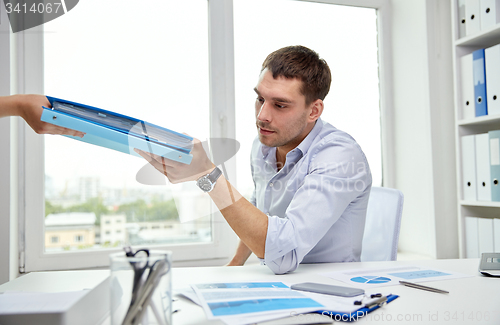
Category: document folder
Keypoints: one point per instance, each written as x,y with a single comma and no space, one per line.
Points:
118,132
469,167
492,57
473,14
471,237
490,13
461,18
483,180
495,164
480,82
467,87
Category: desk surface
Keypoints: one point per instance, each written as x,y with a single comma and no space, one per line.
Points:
472,300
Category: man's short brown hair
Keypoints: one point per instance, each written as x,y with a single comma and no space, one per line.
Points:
304,64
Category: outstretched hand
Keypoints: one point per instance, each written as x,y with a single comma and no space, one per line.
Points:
177,172
30,109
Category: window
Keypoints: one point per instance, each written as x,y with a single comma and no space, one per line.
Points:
158,65
144,67
78,238
54,239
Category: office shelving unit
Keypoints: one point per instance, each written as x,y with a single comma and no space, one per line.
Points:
463,46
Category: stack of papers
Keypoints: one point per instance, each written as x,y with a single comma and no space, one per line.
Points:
237,303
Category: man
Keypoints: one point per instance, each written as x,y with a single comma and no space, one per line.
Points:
312,181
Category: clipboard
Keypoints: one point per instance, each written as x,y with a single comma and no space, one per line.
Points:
355,315
118,132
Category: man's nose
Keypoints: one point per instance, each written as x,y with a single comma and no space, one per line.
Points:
264,114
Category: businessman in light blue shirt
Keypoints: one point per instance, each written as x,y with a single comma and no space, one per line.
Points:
312,181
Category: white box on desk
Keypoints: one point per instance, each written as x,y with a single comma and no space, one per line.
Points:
88,289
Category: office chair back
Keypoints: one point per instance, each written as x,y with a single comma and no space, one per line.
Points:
383,221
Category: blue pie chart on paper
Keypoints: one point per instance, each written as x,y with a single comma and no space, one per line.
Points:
369,279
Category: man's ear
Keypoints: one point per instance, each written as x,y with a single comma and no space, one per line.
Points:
316,110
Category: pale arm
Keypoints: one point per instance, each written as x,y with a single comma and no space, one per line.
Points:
29,107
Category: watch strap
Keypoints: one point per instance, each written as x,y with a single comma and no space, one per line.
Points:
214,175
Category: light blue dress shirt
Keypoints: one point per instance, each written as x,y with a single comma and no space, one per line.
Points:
316,204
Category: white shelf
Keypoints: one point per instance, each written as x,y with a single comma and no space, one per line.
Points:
481,120
485,204
483,39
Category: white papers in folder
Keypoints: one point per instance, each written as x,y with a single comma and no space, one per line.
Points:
251,302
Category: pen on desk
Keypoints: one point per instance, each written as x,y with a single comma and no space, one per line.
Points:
378,302
419,286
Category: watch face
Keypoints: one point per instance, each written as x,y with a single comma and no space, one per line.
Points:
205,184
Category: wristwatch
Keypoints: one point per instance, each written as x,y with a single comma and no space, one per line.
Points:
207,182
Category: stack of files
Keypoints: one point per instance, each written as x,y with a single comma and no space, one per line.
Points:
482,235
481,166
118,132
475,16
238,303
480,83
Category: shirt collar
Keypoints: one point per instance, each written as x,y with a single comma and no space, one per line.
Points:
308,140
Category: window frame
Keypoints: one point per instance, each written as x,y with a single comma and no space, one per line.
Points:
27,60
29,54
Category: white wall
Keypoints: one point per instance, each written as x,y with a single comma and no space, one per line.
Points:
424,126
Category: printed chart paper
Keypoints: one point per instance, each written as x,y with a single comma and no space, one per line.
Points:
251,298
368,278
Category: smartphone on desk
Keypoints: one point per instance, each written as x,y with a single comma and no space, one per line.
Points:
328,289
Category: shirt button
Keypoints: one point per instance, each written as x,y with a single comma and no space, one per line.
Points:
271,184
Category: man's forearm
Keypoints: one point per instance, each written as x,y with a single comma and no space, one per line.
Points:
248,222
241,255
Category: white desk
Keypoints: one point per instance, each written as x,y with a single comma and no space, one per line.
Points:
474,300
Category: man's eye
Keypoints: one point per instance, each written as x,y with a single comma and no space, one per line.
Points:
260,99
280,106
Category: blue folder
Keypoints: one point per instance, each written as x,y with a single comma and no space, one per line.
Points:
479,72
354,316
118,132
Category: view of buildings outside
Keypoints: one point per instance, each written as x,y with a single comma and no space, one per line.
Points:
85,215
